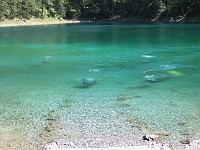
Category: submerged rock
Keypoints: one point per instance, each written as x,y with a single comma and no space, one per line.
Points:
185,141
46,59
94,70
87,83
175,73
156,78
148,56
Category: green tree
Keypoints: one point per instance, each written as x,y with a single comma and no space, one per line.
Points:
59,8
99,9
4,7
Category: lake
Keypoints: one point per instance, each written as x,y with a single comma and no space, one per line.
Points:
87,81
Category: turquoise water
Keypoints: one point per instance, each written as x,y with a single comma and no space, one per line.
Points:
146,71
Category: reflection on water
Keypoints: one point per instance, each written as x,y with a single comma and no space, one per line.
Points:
149,74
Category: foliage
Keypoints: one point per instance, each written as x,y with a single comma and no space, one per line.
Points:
98,9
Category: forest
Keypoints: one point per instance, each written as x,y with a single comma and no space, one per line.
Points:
100,9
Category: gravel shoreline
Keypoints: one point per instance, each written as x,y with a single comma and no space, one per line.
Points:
152,145
35,22
54,146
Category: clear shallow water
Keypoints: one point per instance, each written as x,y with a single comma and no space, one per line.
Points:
145,72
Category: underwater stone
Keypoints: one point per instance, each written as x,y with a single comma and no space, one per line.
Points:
46,59
156,78
185,141
175,73
148,56
87,83
94,70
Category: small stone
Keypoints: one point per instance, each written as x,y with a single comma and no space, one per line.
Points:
156,78
151,78
185,141
89,81
149,137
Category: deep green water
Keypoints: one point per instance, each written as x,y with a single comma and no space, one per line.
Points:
41,66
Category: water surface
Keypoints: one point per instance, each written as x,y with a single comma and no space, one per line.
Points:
145,72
